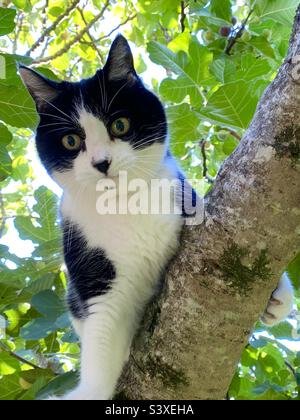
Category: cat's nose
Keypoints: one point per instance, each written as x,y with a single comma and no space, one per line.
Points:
102,166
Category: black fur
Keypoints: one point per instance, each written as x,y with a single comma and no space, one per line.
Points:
90,271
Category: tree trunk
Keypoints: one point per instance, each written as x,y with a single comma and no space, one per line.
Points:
192,338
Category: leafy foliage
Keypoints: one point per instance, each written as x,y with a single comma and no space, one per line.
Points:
210,80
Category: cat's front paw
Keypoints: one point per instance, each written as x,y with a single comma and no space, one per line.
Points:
280,305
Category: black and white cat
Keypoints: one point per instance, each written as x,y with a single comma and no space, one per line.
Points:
90,132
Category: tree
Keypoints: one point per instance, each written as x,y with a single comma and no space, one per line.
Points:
222,279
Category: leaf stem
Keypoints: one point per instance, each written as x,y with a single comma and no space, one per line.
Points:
16,356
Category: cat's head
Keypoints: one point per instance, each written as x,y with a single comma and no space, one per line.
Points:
100,126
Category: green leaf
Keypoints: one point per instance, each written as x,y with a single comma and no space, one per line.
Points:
48,304
37,329
174,90
12,77
46,207
10,387
223,69
209,19
230,145
17,107
30,394
161,55
45,228
28,231
7,20
192,74
53,309
55,11
281,331
294,271
70,337
23,5
221,9
253,67
282,11
8,364
43,283
262,45
5,160
197,68
59,385
183,127
231,105
180,42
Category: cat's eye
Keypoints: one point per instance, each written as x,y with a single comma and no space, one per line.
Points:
71,142
120,127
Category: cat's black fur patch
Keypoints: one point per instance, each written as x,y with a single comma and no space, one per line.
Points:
90,271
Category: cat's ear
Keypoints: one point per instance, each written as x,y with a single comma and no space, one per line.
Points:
40,88
119,64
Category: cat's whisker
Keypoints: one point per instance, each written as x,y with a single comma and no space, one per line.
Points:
57,123
69,117
104,91
116,95
55,117
138,145
101,89
57,129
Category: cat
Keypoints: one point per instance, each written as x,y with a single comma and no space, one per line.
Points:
90,132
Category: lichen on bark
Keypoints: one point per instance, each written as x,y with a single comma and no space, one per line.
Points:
287,143
238,270
169,375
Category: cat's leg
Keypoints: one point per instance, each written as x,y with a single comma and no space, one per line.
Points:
105,345
280,304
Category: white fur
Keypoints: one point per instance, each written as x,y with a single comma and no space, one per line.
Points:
280,304
138,245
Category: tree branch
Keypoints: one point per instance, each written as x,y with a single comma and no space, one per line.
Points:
76,39
96,41
93,42
182,16
166,33
52,27
204,162
15,356
19,24
238,33
217,287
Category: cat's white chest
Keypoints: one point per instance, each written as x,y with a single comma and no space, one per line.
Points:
136,244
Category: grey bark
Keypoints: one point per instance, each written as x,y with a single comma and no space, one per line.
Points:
219,284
